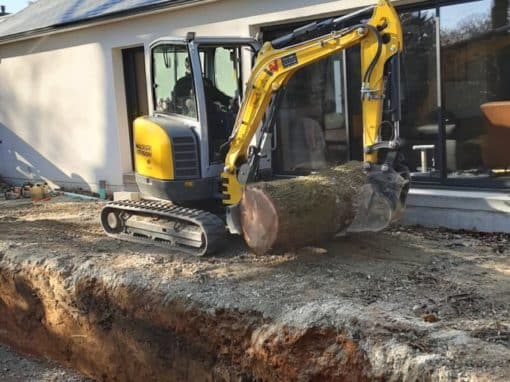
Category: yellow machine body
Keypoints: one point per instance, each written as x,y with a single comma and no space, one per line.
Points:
153,150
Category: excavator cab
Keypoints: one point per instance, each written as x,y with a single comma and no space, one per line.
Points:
197,90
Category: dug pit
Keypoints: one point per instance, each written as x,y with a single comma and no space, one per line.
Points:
399,305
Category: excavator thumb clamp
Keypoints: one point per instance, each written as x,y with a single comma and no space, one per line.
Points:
380,201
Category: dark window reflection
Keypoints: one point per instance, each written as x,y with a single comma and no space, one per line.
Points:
311,123
475,53
420,129
354,102
469,124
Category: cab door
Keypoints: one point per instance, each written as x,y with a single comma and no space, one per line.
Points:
218,68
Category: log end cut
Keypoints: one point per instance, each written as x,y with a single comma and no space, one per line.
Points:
259,220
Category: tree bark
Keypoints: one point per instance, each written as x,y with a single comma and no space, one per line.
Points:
291,213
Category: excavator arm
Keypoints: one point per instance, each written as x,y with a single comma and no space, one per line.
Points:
380,39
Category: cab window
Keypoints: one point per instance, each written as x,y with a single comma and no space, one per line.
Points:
226,72
173,87
221,71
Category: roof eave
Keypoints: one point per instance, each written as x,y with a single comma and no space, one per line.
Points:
103,19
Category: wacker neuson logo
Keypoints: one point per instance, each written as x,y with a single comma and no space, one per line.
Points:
144,150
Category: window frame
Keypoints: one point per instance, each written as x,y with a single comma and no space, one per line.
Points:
153,82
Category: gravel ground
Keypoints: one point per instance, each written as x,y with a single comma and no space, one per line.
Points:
416,301
15,367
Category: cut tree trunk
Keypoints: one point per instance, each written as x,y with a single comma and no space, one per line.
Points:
291,213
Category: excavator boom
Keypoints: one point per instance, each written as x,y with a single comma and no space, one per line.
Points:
381,42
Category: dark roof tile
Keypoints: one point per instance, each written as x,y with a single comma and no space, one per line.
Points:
57,13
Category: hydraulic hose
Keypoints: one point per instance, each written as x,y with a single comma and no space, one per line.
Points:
368,73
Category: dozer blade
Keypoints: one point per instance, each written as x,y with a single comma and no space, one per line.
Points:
380,202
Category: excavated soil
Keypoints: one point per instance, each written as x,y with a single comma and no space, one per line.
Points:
405,304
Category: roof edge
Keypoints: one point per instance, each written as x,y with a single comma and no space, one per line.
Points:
103,19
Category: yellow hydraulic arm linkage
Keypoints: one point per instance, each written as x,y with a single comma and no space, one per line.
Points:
380,39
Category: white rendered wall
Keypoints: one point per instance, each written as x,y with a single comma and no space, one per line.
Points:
62,103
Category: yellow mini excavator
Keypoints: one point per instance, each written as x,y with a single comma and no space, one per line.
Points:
205,139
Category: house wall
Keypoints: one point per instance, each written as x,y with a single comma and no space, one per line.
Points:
62,102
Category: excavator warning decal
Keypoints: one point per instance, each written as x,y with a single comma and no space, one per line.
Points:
273,66
289,60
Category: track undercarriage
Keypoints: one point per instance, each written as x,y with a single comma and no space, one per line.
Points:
188,230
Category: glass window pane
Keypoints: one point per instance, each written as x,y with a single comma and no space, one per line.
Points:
420,129
226,77
353,57
475,54
220,75
311,122
174,91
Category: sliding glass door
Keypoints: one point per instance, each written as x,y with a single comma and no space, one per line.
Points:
455,126
475,51
421,130
456,93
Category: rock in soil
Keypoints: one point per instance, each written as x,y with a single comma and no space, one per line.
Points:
350,310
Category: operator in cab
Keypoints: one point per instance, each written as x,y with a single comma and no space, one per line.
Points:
184,88
219,106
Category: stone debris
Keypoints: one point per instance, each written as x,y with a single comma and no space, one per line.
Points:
18,368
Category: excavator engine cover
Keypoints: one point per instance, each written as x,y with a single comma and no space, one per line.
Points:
167,161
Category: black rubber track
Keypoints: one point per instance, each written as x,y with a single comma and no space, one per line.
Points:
211,226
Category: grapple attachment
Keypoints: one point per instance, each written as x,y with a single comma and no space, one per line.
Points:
381,201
